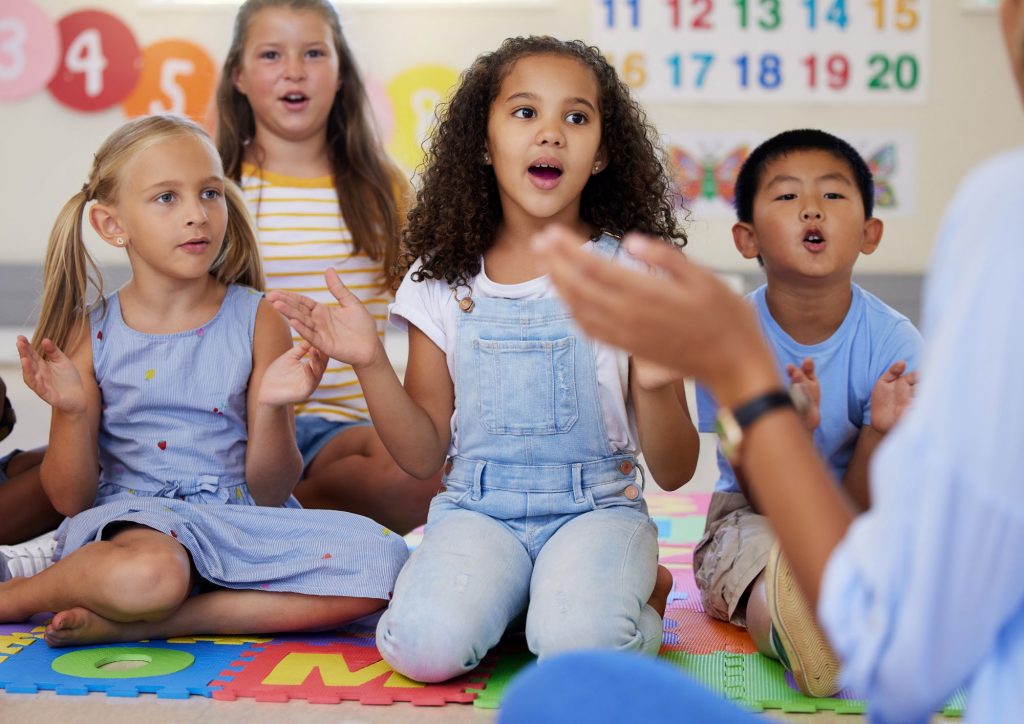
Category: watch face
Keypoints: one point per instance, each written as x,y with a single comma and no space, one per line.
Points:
730,434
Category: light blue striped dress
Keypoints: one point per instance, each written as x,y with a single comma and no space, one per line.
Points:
172,442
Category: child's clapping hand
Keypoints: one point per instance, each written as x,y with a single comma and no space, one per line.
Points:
891,396
805,380
52,376
293,376
347,332
651,375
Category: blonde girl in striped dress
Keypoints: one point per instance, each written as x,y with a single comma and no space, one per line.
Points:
294,131
171,440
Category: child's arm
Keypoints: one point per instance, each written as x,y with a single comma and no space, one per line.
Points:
280,377
70,469
413,421
668,438
890,399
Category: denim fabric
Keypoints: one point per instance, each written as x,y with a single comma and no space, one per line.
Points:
313,432
538,507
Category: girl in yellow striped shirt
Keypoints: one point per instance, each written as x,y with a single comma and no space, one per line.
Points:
295,131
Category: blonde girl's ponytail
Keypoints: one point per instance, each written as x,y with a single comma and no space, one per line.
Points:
239,261
68,272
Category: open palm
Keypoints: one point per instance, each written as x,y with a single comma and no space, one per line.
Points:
347,332
293,376
52,376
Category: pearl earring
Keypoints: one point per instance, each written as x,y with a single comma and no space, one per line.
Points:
487,158
597,167
120,241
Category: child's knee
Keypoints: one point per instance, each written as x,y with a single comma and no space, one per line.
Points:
430,652
150,581
572,628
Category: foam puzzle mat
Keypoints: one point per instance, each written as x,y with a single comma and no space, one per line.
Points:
346,666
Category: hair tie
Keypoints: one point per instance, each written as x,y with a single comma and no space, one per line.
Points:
85,190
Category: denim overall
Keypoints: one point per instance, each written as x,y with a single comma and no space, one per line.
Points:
538,507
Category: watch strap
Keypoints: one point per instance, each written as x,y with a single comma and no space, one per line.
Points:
748,412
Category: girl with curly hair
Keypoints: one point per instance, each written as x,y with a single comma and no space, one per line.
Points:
538,427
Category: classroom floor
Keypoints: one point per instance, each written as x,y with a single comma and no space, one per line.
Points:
31,430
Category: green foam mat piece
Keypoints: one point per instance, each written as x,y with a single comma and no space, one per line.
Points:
758,683
687,529
510,663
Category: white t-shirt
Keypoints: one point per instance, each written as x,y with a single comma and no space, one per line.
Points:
431,307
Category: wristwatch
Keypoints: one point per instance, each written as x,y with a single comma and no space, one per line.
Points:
730,424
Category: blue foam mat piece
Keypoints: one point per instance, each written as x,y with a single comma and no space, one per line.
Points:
30,671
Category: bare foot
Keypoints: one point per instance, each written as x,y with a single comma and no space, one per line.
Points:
662,588
78,626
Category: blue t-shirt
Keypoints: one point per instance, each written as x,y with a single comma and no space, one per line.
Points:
848,364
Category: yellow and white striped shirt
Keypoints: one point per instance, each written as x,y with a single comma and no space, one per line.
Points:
302,233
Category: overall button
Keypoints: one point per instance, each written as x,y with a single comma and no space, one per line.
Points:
632,492
626,467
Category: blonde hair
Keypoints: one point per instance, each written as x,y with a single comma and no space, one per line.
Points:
70,269
368,185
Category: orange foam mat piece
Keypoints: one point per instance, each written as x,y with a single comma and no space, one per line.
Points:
694,632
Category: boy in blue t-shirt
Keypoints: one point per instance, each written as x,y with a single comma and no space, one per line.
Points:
804,201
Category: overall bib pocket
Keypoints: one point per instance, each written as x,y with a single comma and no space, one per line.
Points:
545,368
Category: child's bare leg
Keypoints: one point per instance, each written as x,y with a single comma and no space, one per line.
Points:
223,612
354,472
759,620
27,511
662,588
139,574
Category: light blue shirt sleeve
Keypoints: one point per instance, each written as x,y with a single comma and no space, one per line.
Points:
926,591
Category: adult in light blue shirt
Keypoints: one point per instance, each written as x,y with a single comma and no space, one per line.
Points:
925,591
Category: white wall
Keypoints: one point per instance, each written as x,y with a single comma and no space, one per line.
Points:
972,109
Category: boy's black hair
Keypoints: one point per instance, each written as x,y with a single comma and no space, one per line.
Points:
805,139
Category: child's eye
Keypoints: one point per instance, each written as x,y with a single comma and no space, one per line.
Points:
577,118
269,55
524,113
833,195
165,198
210,194
786,197
315,53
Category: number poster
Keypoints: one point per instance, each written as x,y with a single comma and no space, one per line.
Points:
787,51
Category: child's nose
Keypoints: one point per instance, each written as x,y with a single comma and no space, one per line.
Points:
294,69
197,215
811,213
550,135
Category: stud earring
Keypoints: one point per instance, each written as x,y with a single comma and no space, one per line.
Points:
597,167
120,241
487,158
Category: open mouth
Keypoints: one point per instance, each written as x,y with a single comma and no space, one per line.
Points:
294,99
545,171
814,241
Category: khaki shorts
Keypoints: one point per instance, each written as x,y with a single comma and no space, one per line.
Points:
733,551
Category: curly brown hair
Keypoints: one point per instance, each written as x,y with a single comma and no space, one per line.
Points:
457,209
